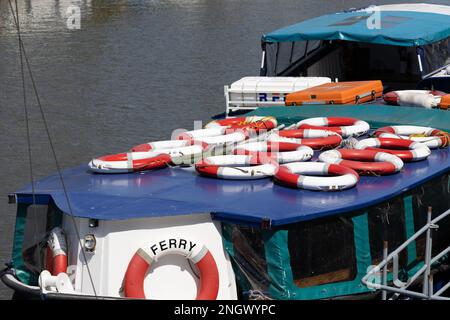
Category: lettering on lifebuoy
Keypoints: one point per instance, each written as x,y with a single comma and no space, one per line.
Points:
164,245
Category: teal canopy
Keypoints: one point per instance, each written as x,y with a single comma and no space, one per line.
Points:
376,115
406,25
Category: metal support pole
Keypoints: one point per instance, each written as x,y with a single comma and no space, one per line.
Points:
385,254
426,277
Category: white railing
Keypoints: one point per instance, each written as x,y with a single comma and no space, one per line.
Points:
399,287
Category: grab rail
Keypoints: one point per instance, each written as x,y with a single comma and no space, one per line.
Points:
400,287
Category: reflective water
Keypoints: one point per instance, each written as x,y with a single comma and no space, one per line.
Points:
135,71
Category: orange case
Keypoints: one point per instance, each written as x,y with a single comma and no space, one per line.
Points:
353,92
445,102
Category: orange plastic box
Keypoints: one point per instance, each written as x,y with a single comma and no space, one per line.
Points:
445,102
353,92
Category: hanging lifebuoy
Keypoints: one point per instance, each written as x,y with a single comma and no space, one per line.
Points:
300,153
346,127
296,175
407,150
325,143
236,167
365,162
433,138
130,162
197,253
254,122
56,260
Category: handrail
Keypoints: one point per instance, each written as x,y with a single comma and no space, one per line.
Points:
425,270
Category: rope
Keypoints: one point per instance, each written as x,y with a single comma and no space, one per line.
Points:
44,120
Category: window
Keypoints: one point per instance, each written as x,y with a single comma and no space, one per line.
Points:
322,251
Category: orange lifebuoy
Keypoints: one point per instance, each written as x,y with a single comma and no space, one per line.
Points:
197,253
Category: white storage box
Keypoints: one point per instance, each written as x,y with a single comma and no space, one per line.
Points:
252,92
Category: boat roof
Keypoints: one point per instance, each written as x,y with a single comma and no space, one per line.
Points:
400,25
180,191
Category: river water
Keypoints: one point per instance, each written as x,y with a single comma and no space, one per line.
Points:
132,73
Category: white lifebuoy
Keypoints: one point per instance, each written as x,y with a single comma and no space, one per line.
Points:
236,167
407,150
337,178
130,162
194,251
329,142
432,137
345,127
56,260
365,162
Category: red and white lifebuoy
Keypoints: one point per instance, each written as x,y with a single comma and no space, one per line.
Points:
432,137
407,150
365,162
157,145
329,142
236,167
254,122
301,153
225,139
201,133
335,177
420,98
345,127
56,260
130,162
268,146
194,251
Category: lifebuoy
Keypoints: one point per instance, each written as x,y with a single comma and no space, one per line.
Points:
253,122
365,162
420,98
197,253
130,162
301,153
268,146
234,137
157,145
407,150
345,127
201,133
295,175
433,138
236,167
56,260
325,143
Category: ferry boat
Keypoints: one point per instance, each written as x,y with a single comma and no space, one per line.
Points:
202,223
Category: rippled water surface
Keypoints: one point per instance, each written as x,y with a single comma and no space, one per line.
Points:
135,71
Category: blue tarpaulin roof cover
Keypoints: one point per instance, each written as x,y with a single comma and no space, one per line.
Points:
179,191
400,25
